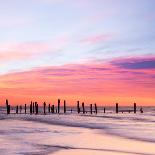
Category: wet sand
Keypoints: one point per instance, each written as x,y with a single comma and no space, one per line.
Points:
30,137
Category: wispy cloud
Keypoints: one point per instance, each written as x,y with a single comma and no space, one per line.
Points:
102,80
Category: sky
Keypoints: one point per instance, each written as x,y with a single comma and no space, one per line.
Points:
98,51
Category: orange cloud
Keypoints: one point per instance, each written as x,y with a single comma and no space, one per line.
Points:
104,83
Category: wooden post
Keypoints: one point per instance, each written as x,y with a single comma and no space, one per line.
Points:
44,108
25,108
104,109
36,108
116,107
52,109
31,108
64,106
91,108
7,107
49,108
83,108
135,108
58,106
95,108
17,109
20,107
78,107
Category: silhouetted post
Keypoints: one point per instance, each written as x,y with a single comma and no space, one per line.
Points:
78,107
58,106
20,107
83,108
49,108
104,109
64,106
25,108
52,109
36,108
17,109
116,107
44,108
31,108
7,107
135,108
141,110
95,108
91,108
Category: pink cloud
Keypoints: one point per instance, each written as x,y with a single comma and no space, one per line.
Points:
100,82
94,39
26,50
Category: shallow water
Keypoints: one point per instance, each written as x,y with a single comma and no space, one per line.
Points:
29,137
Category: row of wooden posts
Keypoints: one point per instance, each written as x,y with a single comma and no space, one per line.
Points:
34,108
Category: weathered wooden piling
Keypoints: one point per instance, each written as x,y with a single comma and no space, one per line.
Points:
25,108
64,106
58,106
31,108
52,109
104,109
116,107
83,108
141,110
49,108
36,107
7,107
20,108
78,107
135,108
44,108
17,109
91,108
95,108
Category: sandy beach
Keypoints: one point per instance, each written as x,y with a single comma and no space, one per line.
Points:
62,135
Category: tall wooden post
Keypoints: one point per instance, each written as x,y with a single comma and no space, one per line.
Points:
91,108
95,108
33,108
78,107
25,108
44,108
58,106
52,109
49,108
7,107
83,108
36,108
135,108
17,109
104,109
116,107
64,106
